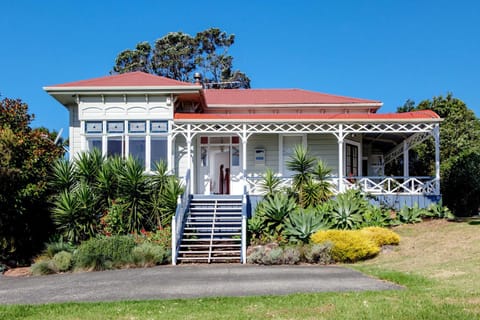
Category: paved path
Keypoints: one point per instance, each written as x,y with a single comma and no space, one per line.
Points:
169,282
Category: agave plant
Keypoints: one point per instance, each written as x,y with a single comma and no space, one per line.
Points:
302,224
411,214
275,211
347,210
376,216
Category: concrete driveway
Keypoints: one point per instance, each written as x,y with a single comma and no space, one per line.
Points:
189,281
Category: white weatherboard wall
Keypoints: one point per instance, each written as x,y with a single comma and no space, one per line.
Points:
75,131
325,147
125,108
267,142
115,107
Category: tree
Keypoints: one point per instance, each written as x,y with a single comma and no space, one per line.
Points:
459,132
179,56
26,156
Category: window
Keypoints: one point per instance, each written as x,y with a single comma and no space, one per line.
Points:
136,147
143,140
159,150
94,143
115,146
351,158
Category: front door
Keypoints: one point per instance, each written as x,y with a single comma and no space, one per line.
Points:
218,165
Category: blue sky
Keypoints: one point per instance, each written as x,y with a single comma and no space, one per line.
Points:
384,50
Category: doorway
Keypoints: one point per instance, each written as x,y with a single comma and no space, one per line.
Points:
218,166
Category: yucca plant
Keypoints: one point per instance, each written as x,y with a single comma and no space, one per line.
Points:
133,192
269,184
63,176
74,214
168,200
88,164
321,174
106,184
302,223
301,162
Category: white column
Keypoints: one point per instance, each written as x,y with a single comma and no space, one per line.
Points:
170,158
406,171
244,155
341,161
436,135
189,155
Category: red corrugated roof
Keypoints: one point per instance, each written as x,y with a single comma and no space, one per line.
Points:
414,115
276,96
130,79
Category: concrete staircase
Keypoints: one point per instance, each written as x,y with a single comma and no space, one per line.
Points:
213,230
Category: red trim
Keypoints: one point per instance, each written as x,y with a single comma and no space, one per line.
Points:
415,115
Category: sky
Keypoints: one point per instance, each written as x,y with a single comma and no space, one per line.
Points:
385,50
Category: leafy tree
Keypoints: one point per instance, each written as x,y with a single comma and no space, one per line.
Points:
459,132
178,55
26,156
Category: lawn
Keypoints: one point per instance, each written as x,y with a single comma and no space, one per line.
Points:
436,262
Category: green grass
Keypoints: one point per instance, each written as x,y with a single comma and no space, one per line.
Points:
436,262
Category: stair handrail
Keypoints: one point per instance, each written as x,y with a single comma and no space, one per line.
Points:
244,226
178,219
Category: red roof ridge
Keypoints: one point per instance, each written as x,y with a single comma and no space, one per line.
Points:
128,79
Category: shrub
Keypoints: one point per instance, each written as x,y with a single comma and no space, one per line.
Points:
162,237
291,255
53,248
348,245
461,183
268,254
381,236
256,256
318,253
149,254
274,256
104,253
62,261
43,267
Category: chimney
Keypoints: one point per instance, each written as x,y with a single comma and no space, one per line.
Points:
198,78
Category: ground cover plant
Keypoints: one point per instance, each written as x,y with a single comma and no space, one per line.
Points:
439,276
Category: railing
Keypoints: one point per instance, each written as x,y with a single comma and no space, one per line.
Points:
244,226
177,220
373,185
393,185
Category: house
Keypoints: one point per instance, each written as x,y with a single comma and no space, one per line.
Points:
222,141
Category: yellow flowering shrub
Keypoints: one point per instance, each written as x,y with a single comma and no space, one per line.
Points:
381,236
348,245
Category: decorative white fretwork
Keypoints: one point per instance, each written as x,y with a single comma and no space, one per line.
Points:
371,185
312,127
410,142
